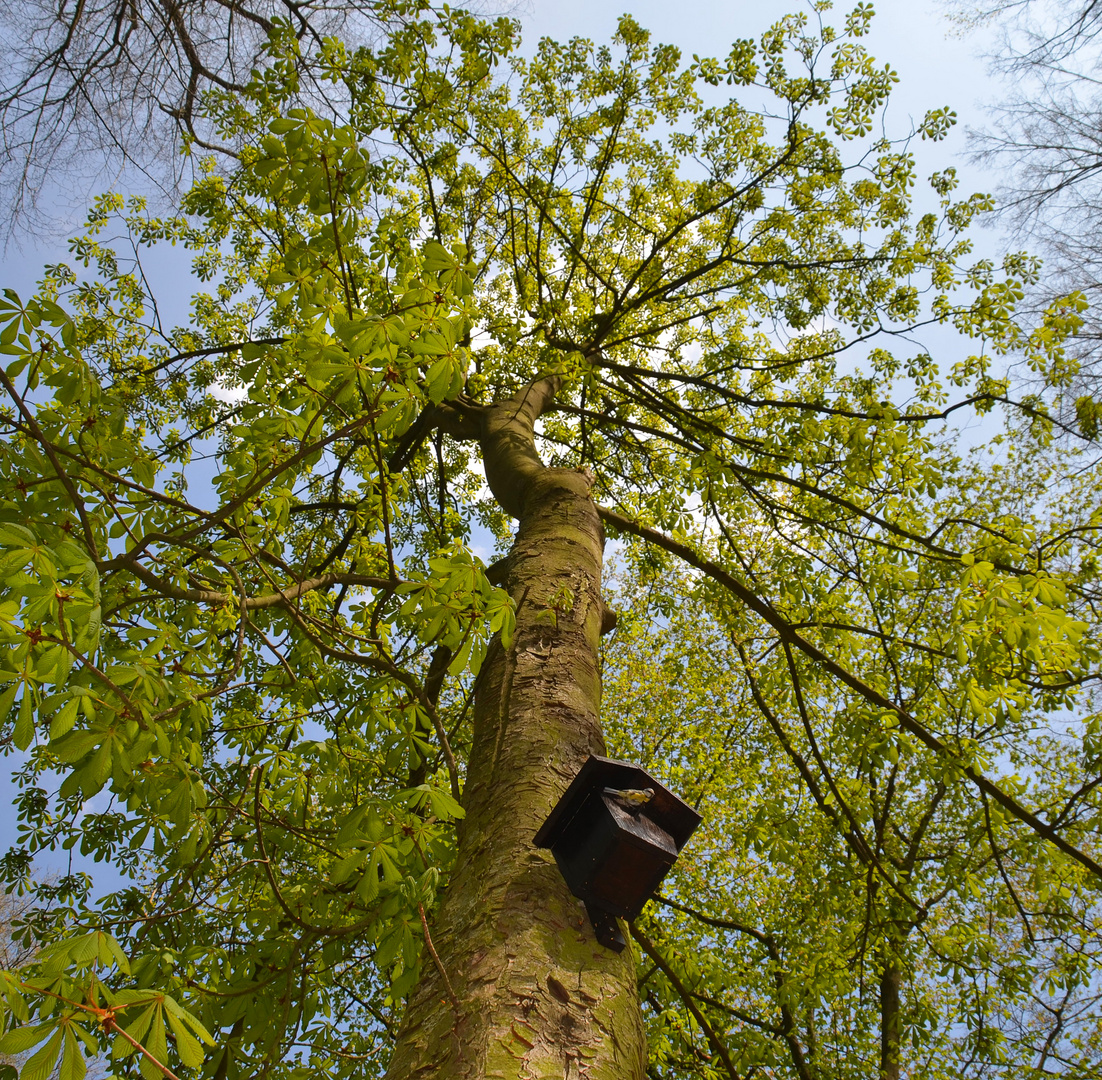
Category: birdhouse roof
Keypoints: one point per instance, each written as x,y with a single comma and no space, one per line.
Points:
666,809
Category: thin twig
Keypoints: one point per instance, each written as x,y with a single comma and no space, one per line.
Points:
110,1025
683,992
436,958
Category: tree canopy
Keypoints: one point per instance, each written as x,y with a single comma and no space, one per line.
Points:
251,660
1043,135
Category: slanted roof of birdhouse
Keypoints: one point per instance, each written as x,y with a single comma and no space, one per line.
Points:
666,809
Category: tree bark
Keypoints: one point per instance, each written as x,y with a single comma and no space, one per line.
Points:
891,979
529,992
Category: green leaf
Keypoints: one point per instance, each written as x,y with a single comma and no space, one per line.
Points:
86,638
73,1066
123,1048
438,379
156,1043
76,744
350,828
23,735
110,952
368,886
437,257
42,1062
187,1046
173,1008
7,699
19,1040
345,868
17,536
63,719
443,805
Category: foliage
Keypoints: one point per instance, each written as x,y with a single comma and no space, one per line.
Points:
834,860
90,87
243,622
199,704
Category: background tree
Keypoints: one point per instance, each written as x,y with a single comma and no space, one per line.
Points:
247,612
921,943
91,89
1044,132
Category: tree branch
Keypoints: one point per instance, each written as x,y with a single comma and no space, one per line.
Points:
847,678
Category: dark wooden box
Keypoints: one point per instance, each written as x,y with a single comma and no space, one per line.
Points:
612,856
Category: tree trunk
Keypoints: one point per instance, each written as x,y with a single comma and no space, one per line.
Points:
528,991
891,979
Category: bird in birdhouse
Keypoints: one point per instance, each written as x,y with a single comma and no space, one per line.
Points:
631,797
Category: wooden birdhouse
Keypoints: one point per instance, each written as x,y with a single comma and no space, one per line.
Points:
615,833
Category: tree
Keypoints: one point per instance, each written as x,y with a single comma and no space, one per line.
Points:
91,89
796,950
19,951
1045,134
240,595
12,907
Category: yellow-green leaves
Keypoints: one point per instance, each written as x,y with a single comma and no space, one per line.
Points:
69,984
1015,632
455,605
242,625
146,1034
94,950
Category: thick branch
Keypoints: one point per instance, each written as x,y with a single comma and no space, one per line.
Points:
508,443
248,603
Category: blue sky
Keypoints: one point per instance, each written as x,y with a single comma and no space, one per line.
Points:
936,68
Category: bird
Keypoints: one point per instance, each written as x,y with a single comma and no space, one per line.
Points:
633,797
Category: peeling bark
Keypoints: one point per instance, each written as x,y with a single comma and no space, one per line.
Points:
536,995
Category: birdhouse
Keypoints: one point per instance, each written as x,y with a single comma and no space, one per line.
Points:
615,833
